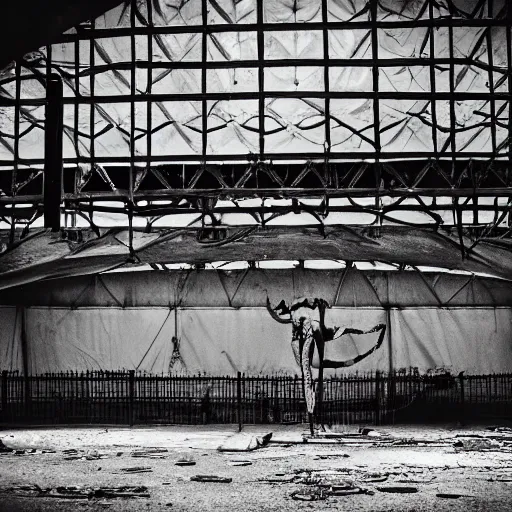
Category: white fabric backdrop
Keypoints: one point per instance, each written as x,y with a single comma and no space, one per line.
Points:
108,338
222,341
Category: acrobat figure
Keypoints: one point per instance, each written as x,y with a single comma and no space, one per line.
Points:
309,335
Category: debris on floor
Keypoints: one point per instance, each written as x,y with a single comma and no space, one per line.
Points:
4,450
211,478
73,454
453,496
398,489
331,456
151,453
240,463
370,432
185,459
406,479
243,442
309,495
137,469
72,492
477,444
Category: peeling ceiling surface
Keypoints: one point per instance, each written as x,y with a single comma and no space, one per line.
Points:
153,82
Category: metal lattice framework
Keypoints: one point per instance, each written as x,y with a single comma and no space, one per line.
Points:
403,102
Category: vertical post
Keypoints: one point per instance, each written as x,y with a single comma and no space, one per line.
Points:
462,417
239,399
53,152
320,410
24,354
376,99
377,397
131,395
4,393
391,384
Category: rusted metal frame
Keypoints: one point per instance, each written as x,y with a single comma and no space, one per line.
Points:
428,285
219,96
53,167
308,167
114,298
490,58
426,168
432,70
94,227
281,27
497,221
327,88
508,28
427,210
470,280
358,175
36,214
261,77
76,115
204,99
160,177
376,104
393,172
479,8
92,95
240,282
282,192
381,216
155,338
344,272
133,89
279,63
170,209
294,157
14,172
456,209
148,91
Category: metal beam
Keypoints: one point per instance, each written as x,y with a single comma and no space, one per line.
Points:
53,153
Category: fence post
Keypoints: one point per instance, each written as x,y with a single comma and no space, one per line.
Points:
239,399
4,392
131,395
377,397
462,417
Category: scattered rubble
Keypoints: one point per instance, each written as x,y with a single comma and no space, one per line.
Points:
73,454
477,444
150,453
243,442
398,489
185,460
72,492
211,478
309,495
137,469
453,496
325,456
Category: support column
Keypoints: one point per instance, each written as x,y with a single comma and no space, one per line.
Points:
53,152
25,361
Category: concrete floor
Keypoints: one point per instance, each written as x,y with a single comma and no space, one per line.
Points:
432,466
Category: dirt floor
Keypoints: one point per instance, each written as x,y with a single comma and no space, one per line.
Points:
61,469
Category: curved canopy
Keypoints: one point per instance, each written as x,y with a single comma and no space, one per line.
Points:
45,255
